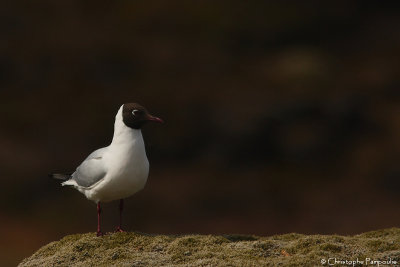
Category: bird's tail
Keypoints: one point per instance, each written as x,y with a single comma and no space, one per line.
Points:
60,176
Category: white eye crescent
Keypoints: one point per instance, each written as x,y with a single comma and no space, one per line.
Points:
135,112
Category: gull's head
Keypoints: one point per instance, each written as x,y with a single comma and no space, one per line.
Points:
135,116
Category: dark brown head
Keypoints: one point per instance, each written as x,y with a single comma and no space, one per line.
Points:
135,116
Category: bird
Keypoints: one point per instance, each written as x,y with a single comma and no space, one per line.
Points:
119,170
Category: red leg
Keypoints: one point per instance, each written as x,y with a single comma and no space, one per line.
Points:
99,233
121,207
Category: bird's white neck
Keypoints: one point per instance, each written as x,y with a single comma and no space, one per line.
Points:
124,135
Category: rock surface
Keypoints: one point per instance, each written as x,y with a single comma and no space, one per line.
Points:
138,249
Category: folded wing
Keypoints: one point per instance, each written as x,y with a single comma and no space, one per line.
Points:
92,169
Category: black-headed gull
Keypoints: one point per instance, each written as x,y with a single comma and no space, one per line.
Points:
118,170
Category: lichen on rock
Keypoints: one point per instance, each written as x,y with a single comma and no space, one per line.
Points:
139,249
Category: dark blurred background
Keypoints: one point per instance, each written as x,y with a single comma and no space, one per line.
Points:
280,116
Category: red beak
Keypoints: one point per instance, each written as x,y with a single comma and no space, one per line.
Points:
155,119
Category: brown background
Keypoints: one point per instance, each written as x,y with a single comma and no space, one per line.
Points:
280,117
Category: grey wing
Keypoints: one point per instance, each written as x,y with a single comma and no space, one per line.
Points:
97,153
91,170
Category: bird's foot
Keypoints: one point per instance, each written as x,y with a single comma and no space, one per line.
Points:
119,229
100,233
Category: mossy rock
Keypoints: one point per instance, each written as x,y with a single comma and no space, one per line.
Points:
138,249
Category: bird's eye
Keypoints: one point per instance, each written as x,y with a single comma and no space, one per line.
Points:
135,112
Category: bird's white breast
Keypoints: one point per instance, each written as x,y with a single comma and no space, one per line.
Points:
127,174
126,165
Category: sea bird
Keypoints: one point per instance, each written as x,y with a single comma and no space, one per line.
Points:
119,170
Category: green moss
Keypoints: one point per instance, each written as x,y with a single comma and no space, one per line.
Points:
381,233
381,246
236,238
287,237
139,249
331,247
265,245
